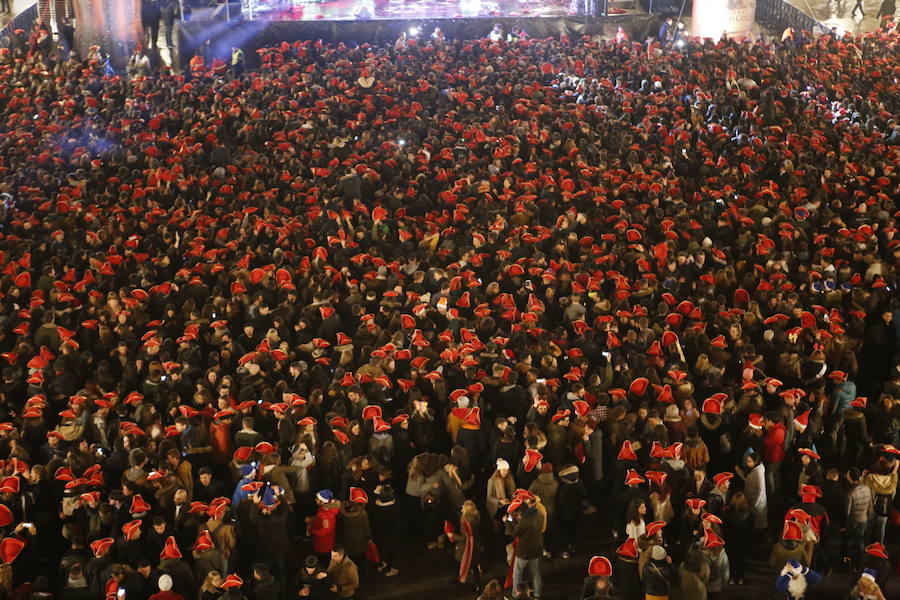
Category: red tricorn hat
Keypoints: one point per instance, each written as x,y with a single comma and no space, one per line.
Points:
792,531
628,549
138,505
654,528
876,549
170,550
131,529
232,581
358,495
10,548
632,477
98,547
531,459
599,567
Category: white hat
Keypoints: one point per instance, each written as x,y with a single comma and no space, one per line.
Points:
658,553
502,464
165,583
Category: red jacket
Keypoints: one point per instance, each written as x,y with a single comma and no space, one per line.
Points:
170,595
773,444
323,527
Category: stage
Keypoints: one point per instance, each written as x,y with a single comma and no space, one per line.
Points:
352,10
339,21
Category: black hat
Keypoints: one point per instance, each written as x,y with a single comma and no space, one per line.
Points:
311,562
386,497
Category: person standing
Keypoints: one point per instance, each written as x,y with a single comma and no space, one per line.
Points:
343,574
859,510
170,14
858,5
150,17
529,546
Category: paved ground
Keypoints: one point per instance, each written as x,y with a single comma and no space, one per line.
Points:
428,574
837,12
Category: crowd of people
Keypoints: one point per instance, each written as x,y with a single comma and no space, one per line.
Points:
260,333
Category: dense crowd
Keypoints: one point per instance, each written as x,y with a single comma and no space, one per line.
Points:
261,333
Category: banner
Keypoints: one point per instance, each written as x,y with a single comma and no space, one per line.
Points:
712,18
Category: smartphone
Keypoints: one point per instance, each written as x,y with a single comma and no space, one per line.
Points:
606,355
28,525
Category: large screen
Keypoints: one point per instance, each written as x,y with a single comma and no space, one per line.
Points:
349,10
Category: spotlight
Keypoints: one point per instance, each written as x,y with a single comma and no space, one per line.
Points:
680,43
414,31
401,142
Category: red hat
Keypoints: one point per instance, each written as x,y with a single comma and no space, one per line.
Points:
170,550
792,531
802,420
657,477
138,505
711,540
810,453
655,527
720,478
711,518
242,454
326,311
581,407
755,421
532,459
628,549
860,402
560,415
232,581
876,549
809,493
380,425
9,485
695,503
837,376
10,548
713,404
632,477
204,541
599,567
264,448
472,419
100,546
371,411
6,516
799,515
131,528
626,452
639,386
358,495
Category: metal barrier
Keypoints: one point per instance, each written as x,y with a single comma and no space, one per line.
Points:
779,15
24,20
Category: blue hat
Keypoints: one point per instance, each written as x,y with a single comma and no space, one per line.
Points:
246,470
870,573
325,496
269,498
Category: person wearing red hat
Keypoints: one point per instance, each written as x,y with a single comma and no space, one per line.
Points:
355,533
171,562
774,454
881,479
598,583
